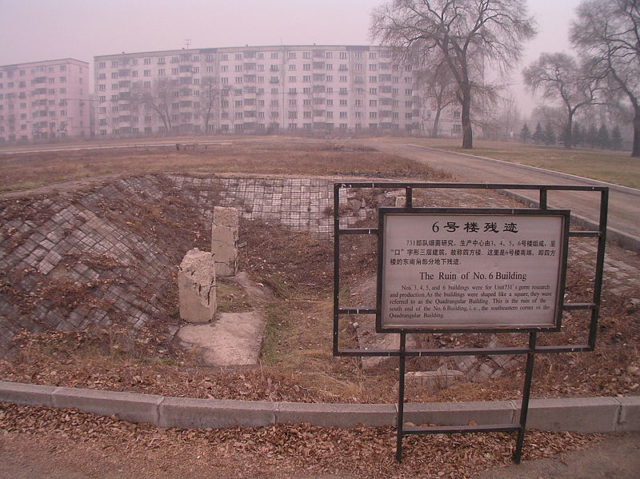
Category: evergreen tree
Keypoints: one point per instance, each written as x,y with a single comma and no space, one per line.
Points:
525,134
616,138
603,140
538,135
549,135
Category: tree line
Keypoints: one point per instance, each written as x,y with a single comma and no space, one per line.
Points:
589,136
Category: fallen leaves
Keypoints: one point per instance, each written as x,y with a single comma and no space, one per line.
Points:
357,452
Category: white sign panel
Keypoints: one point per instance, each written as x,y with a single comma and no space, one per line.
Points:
469,270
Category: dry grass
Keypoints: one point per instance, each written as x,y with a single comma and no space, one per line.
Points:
612,167
276,156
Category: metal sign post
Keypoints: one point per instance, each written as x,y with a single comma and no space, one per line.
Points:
480,270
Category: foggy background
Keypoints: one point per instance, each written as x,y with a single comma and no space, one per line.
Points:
36,30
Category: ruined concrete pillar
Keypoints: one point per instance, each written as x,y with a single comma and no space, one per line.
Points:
224,239
197,287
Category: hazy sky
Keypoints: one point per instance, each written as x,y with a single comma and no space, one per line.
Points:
32,30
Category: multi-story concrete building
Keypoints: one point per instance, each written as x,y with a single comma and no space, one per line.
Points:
44,100
255,89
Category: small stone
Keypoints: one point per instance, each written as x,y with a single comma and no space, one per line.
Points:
635,370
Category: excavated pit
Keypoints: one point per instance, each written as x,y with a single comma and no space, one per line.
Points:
109,254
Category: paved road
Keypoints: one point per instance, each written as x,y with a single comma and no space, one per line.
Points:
624,203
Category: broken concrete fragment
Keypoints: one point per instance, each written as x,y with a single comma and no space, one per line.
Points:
224,239
197,286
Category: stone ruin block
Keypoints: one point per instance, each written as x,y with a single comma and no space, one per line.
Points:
197,287
224,239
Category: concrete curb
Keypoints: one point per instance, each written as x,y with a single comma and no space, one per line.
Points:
599,414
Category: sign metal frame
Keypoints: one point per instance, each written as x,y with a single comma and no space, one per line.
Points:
403,352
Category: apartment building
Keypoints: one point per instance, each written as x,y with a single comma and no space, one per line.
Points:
255,90
44,100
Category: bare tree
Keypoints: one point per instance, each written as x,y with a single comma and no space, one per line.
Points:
157,97
464,34
209,98
608,34
559,77
438,87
